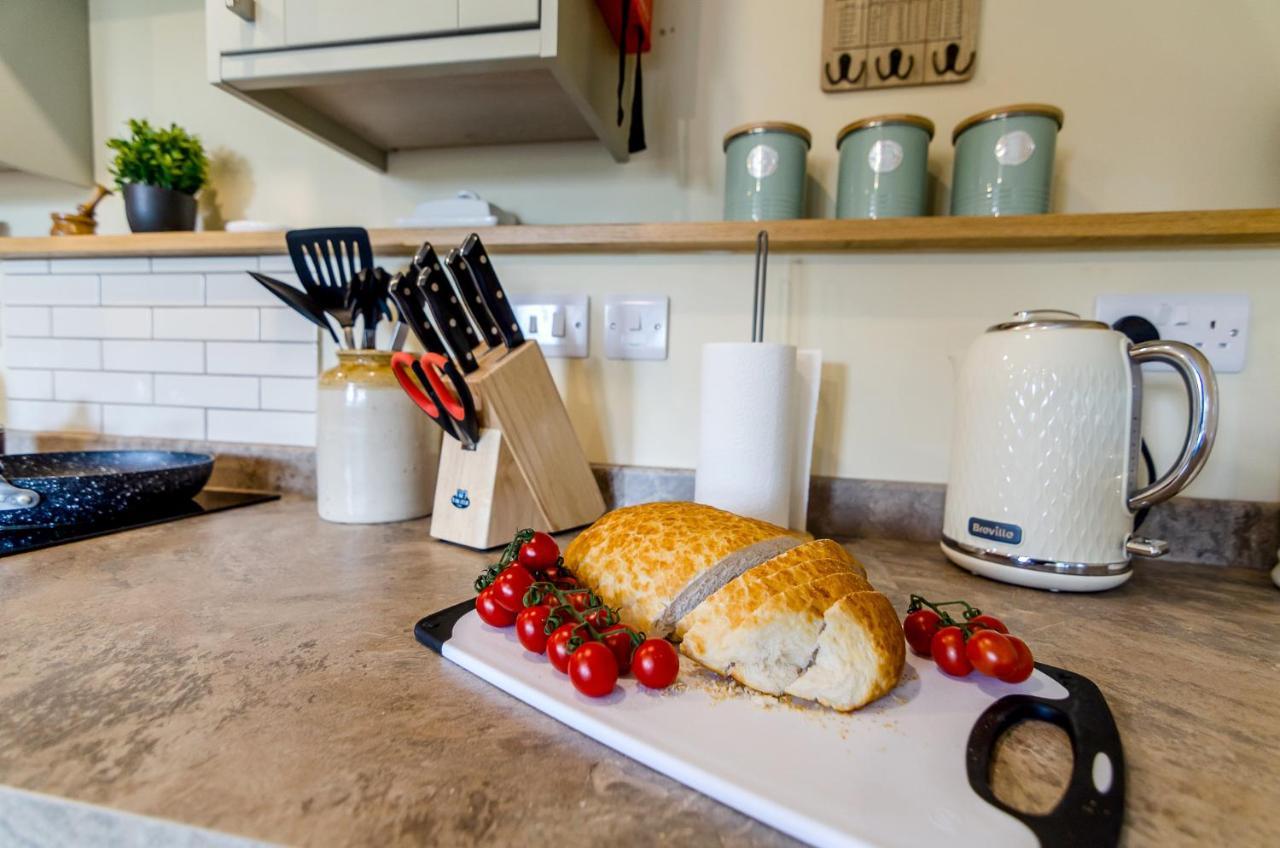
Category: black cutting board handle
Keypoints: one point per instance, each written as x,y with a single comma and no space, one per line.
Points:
1088,814
434,630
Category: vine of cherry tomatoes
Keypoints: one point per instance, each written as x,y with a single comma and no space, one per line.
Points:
530,588
977,641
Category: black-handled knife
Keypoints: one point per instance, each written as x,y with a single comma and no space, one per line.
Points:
495,299
469,293
411,304
447,315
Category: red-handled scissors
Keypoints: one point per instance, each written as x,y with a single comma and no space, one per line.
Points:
423,379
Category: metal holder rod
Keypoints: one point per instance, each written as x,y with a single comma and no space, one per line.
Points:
762,270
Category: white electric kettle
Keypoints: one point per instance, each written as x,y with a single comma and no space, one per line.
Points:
1044,456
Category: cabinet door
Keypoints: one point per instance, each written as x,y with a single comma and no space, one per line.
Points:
228,32
337,21
490,14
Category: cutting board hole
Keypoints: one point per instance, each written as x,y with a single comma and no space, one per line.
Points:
1031,767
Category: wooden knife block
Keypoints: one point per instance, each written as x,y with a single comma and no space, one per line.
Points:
528,469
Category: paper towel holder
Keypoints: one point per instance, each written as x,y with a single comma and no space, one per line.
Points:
762,270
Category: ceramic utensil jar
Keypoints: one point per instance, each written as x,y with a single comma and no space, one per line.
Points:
884,167
376,453
765,171
1004,160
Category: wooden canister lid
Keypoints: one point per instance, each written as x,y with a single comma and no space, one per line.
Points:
881,120
1043,109
769,126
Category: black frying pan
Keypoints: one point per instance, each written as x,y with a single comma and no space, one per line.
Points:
82,487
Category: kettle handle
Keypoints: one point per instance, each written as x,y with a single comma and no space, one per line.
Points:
1202,397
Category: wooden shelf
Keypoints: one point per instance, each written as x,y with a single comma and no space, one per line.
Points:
1098,231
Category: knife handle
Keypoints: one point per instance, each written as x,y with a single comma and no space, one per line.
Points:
495,299
469,293
448,319
409,302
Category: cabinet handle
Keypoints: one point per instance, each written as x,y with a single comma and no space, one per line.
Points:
243,9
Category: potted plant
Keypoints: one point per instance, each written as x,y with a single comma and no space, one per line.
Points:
159,171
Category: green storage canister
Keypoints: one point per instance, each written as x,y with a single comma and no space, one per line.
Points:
765,166
884,167
1004,160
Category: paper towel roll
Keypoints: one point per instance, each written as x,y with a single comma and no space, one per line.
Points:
746,429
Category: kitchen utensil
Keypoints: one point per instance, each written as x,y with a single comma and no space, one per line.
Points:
81,487
495,299
826,778
326,259
296,300
411,305
1004,160
1043,485
81,222
448,316
765,171
452,407
369,295
469,294
884,167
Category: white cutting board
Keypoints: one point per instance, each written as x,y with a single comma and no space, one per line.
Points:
890,774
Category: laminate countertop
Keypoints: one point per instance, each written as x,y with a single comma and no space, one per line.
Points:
255,672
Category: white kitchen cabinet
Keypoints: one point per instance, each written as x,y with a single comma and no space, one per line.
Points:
373,77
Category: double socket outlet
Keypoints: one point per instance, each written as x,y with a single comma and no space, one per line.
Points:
635,325
1215,324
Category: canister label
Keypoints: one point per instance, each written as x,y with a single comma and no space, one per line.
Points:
885,156
1014,148
996,531
762,161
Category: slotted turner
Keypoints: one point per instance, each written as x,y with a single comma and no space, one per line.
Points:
326,259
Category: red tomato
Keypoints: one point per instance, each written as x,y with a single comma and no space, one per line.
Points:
491,612
990,622
593,670
539,552
600,618
948,650
655,663
991,653
618,639
549,572
919,627
509,587
577,599
1023,665
558,646
530,622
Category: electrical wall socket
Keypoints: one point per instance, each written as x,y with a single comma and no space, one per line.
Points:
1216,324
635,326
558,322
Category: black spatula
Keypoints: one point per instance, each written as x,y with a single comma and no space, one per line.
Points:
326,259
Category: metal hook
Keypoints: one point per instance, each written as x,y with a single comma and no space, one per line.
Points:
845,62
895,60
762,270
952,53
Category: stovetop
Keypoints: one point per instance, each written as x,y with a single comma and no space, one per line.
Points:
16,540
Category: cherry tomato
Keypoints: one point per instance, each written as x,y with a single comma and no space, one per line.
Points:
1023,665
618,639
991,653
948,650
600,618
919,627
549,572
530,622
491,612
558,647
655,663
539,552
593,670
577,599
509,587
990,622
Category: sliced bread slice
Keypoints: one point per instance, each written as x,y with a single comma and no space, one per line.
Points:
860,654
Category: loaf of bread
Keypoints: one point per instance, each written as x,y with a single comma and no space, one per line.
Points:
758,602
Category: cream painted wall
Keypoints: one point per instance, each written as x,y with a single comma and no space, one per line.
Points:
1184,113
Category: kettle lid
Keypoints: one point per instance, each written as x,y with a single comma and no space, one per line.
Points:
1047,319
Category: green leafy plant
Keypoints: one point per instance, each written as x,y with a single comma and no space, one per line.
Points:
168,158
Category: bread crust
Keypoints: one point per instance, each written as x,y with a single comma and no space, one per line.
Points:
860,656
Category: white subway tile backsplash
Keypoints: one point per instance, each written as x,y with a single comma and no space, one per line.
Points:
102,386
28,385
53,415
24,266
99,322
202,264
51,290
54,353
275,264
27,321
285,325
294,394
236,290
153,290
205,391
269,359
277,428
160,357
101,265
207,323
157,422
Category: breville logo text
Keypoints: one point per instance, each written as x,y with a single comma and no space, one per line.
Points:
1009,534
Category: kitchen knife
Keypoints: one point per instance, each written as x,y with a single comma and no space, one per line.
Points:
469,294
447,313
411,304
495,299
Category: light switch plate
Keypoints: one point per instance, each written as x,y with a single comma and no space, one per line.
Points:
635,326
558,322
1215,324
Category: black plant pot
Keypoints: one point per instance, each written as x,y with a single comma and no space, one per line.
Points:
152,209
